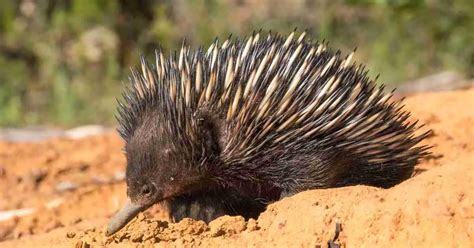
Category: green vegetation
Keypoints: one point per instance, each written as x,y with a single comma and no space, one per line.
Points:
62,61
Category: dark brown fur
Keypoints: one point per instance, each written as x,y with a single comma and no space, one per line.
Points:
200,138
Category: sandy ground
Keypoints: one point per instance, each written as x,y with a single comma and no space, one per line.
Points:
61,192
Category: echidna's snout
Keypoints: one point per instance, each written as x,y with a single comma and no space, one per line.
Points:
120,219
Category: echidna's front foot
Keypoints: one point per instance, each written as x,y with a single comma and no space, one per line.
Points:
209,205
205,208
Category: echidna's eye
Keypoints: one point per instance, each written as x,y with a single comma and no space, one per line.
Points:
146,190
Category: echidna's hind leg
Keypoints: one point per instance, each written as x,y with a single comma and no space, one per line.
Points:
207,206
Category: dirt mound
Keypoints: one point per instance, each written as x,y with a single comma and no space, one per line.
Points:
61,193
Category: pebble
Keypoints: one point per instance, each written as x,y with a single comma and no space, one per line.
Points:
66,186
82,244
70,235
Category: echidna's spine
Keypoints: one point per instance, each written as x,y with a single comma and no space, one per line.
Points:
274,93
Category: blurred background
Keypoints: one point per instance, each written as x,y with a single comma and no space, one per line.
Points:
63,62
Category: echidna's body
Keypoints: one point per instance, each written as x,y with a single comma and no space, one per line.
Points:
228,130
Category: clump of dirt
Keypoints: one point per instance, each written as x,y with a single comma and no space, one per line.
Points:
144,230
148,231
227,225
72,187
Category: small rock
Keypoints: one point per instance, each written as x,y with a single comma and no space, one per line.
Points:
189,226
37,175
252,225
141,217
70,235
136,237
66,186
227,225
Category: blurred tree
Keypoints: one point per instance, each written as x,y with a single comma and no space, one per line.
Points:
62,61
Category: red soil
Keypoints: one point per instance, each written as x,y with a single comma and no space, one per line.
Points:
75,187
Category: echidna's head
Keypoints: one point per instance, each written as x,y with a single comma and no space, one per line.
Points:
161,164
157,169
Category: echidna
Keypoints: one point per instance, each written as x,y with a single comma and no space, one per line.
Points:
248,122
